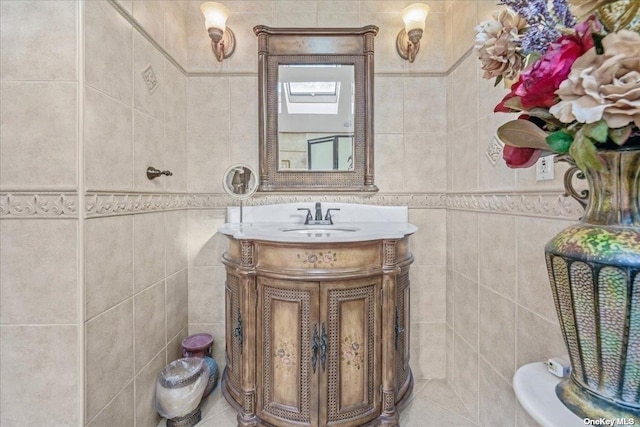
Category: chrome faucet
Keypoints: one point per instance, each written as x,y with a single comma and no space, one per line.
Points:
318,212
309,220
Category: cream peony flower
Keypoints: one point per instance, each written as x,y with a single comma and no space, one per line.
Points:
497,44
604,86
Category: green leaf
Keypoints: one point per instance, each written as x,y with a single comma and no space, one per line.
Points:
514,103
597,131
584,152
531,58
549,119
498,80
620,135
542,113
560,141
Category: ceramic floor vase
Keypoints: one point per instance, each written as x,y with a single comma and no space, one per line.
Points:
594,270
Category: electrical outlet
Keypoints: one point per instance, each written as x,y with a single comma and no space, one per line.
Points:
544,168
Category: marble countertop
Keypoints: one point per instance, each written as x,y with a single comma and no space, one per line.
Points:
300,233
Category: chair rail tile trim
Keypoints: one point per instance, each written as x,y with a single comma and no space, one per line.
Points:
108,204
21,204
38,205
547,205
132,203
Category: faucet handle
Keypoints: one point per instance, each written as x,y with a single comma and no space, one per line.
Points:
309,217
328,215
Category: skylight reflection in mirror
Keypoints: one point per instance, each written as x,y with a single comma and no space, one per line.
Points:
313,88
312,103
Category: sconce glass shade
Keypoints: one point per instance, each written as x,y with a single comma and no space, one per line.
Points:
215,15
223,41
414,16
408,40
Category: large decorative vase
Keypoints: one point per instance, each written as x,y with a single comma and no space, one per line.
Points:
594,269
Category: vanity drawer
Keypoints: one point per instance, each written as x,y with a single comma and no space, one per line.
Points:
282,257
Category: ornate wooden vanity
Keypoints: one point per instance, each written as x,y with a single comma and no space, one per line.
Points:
317,334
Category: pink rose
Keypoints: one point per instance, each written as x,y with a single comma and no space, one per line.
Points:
537,85
519,157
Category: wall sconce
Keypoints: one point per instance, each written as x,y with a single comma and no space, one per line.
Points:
408,40
223,41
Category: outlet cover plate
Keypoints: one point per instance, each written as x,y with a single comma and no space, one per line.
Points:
545,168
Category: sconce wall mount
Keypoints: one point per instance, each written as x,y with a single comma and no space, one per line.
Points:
408,44
223,41
408,40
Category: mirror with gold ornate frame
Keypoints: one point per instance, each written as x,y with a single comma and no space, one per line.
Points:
315,50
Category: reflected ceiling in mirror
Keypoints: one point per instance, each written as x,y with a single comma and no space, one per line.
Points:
316,117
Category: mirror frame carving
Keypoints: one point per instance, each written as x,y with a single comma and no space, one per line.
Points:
284,46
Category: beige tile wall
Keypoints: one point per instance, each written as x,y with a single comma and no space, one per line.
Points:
500,312
136,265
207,277
40,322
109,294
311,13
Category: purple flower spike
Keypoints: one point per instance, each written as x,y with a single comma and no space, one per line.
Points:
563,14
542,23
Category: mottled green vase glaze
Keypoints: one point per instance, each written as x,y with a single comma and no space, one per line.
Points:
594,270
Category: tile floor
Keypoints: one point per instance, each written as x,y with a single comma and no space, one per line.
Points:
432,404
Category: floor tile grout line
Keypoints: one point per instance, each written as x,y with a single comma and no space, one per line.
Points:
467,417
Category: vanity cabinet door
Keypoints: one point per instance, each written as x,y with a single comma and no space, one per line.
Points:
233,335
350,312
287,389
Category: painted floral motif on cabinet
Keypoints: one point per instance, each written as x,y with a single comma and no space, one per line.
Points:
351,353
285,356
322,258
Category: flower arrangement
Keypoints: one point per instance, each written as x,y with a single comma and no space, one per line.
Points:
573,69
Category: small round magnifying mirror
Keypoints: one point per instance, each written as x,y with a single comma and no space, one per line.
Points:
240,181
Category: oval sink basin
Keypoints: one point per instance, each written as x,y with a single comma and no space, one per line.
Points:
327,230
318,233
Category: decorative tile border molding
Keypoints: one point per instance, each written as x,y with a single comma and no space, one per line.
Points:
65,205
547,205
106,204
99,204
38,205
